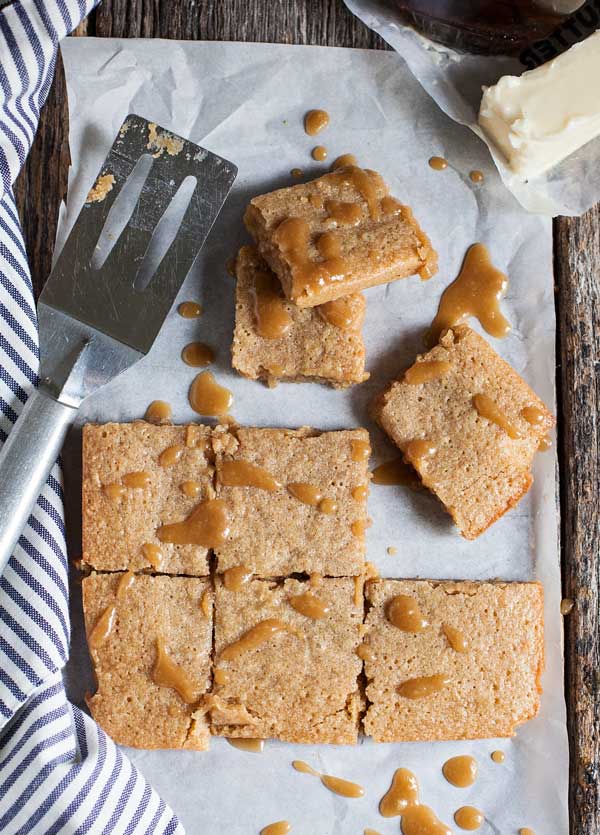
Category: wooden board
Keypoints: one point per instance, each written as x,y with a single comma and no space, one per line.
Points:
577,276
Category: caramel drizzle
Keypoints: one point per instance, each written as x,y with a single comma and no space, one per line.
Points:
421,820
198,354
366,652
309,605
158,412
545,444
153,554
395,472
319,153
360,492
533,415
342,213
419,449
476,176
328,506
402,799
306,493
460,771
404,613
457,639
249,744
364,183
490,410
257,635
337,785
113,491
315,121
391,206
190,310
221,677
138,480
438,163
315,580
207,397
166,673
346,313
103,627
171,455
271,315
191,489
277,828
125,583
207,525
566,606
245,474
297,173
424,372
360,450
235,578
476,292
358,528
205,603
469,818
498,756
423,686
344,161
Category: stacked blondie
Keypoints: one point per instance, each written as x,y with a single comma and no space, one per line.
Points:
228,594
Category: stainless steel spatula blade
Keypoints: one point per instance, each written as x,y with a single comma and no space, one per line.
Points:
98,316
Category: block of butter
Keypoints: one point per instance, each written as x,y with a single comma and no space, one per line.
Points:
539,118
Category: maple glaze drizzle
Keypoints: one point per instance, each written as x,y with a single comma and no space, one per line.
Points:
498,756
309,605
360,450
469,818
198,354
271,315
319,153
103,627
158,412
254,637
315,121
306,493
438,163
346,313
171,455
423,372
113,491
166,673
277,828
328,506
252,745
460,771
153,554
344,214
395,472
190,310
423,686
476,176
235,578
403,792
490,410
404,613
207,525
191,489
457,639
207,397
137,480
246,474
475,292
344,161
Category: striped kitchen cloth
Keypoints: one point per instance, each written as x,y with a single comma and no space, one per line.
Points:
59,772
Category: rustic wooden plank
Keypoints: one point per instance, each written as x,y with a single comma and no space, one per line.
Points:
577,265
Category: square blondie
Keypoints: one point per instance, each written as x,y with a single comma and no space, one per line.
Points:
141,630
276,340
281,673
337,235
469,425
136,478
296,500
469,667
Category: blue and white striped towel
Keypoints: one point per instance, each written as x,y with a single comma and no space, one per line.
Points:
58,771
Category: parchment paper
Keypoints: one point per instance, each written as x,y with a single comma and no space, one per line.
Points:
246,103
454,80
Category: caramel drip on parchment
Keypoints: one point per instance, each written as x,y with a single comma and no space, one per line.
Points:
476,176
315,121
438,163
305,768
345,214
337,785
360,450
207,397
166,673
171,455
476,292
371,832
395,472
403,792
277,828
319,153
257,635
456,638
246,474
235,578
309,605
305,493
159,412
344,161
346,313
252,745
498,756
190,310
103,627
460,771
423,686
271,315
137,480
198,354
421,820
469,818
404,613
490,410
207,525
297,173
423,372
526,830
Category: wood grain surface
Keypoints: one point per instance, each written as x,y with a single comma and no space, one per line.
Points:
42,185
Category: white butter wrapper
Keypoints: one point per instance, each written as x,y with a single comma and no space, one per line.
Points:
455,80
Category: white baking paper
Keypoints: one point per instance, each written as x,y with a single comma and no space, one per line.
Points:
454,80
246,103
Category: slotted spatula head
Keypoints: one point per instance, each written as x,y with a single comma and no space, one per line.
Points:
101,319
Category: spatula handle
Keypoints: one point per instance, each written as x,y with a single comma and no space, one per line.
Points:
26,459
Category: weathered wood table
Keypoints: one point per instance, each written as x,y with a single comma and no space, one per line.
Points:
577,275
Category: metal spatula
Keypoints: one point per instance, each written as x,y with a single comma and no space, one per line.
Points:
95,322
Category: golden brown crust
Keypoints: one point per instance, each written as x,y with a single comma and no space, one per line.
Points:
477,470
491,688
